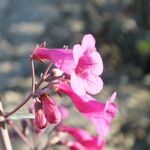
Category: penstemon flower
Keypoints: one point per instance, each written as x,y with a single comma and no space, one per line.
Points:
100,114
83,64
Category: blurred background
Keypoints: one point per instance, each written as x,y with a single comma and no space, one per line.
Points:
122,32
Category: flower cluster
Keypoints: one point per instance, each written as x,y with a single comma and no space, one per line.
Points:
77,74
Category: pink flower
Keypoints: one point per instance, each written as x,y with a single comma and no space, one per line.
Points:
51,111
100,114
83,64
83,139
88,67
40,120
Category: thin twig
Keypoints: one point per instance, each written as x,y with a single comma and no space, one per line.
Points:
26,141
4,132
48,138
30,95
33,74
47,70
19,106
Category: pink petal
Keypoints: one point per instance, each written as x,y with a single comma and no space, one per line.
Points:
97,63
85,104
73,145
77,53
113,97
101,125
79,134
88,42
84,141
93,84
77,84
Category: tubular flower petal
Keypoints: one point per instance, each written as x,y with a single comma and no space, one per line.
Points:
40,120
100,114
83,139
62,58
51,111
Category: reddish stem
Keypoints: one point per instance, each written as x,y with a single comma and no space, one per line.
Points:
30,95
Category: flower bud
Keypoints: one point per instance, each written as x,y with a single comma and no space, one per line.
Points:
51,111
40,120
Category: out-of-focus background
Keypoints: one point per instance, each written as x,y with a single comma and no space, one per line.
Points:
122,32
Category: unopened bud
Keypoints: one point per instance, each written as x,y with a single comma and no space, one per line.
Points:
51,111
40,120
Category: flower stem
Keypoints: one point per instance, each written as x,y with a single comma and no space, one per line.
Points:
19,106
30,95
33,74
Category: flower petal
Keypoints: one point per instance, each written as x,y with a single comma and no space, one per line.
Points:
77,133
97,63
77,53
88,43
62,58
77,84
93,84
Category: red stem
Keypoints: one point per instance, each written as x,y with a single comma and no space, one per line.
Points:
30,95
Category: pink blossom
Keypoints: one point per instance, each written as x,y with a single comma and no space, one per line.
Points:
89,65
83,64
51,111
100,114
83,139
40,120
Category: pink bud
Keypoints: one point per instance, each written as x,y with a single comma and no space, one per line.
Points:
40,120
51,111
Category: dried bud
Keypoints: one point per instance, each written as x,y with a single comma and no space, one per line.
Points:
51,111
40,120
57,72
25,127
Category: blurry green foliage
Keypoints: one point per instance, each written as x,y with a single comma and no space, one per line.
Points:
144,46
